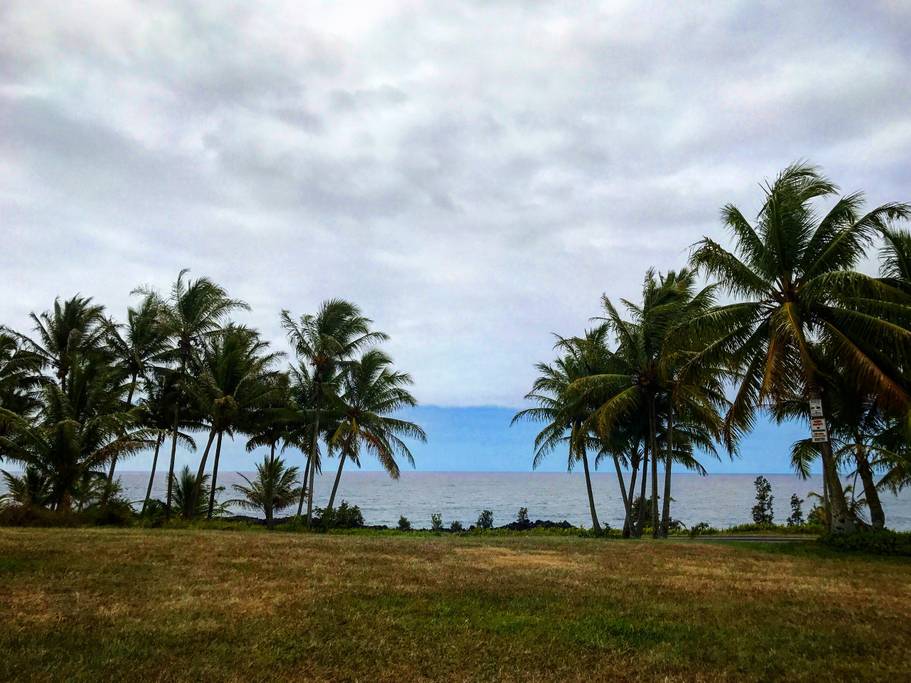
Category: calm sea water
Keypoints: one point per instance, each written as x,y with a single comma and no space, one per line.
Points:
719,499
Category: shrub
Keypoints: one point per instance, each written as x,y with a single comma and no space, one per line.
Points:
345,516
702,529
485,520
762,511
456,526
35,516
404,524
436,522
879,542
522,519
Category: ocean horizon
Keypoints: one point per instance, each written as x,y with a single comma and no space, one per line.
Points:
721,500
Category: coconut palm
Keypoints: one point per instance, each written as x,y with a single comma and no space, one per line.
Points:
274,488
31,488
191,493
137,346
236,379
371,391
794,272
325,342
78,431
193,313
20,378
564,412
72,330
155,413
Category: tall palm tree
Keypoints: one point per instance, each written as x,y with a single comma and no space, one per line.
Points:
155,413
137,346
371,391
193,313
565,413
794,272
326,341
235,381
71,330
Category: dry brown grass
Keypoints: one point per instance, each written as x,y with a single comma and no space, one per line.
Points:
93,604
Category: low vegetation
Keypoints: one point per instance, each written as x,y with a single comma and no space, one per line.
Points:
92,604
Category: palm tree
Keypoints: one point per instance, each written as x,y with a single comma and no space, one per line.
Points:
794,272
137,346
78,431
235,381
193,313
31,488
155,413
325,341
73,329
190,493
273,489
566,413
370,392
20,378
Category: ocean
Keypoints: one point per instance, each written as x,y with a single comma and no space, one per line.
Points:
720,499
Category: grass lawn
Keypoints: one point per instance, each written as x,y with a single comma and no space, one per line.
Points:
90,604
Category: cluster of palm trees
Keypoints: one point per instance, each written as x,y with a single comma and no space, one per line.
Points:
786,319
83,392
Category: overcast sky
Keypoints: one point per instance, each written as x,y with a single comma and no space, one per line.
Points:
474,175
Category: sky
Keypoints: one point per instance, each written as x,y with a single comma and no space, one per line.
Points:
475,175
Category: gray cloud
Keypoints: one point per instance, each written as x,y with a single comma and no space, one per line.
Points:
475,175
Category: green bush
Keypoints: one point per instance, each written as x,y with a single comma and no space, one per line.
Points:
36,516
456,526
485,520
343,517
404,524
436,522
882,542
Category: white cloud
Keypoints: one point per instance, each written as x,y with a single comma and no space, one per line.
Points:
474,175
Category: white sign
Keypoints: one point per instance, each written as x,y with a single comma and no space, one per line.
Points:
815,407
817,423
820,436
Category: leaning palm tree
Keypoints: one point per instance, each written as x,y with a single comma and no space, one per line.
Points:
325,342
371,393
138,345
235,381
274,488
193,313
794,272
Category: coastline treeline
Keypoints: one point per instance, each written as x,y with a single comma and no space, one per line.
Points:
82,392
787,324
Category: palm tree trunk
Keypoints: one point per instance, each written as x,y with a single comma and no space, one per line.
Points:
622,485
145,503
653,428
668,466
313,445
871,494
628,524
272,453
841,520
300,504
129,405
202,467
338,476
173,456
640,523
596,527
214,476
